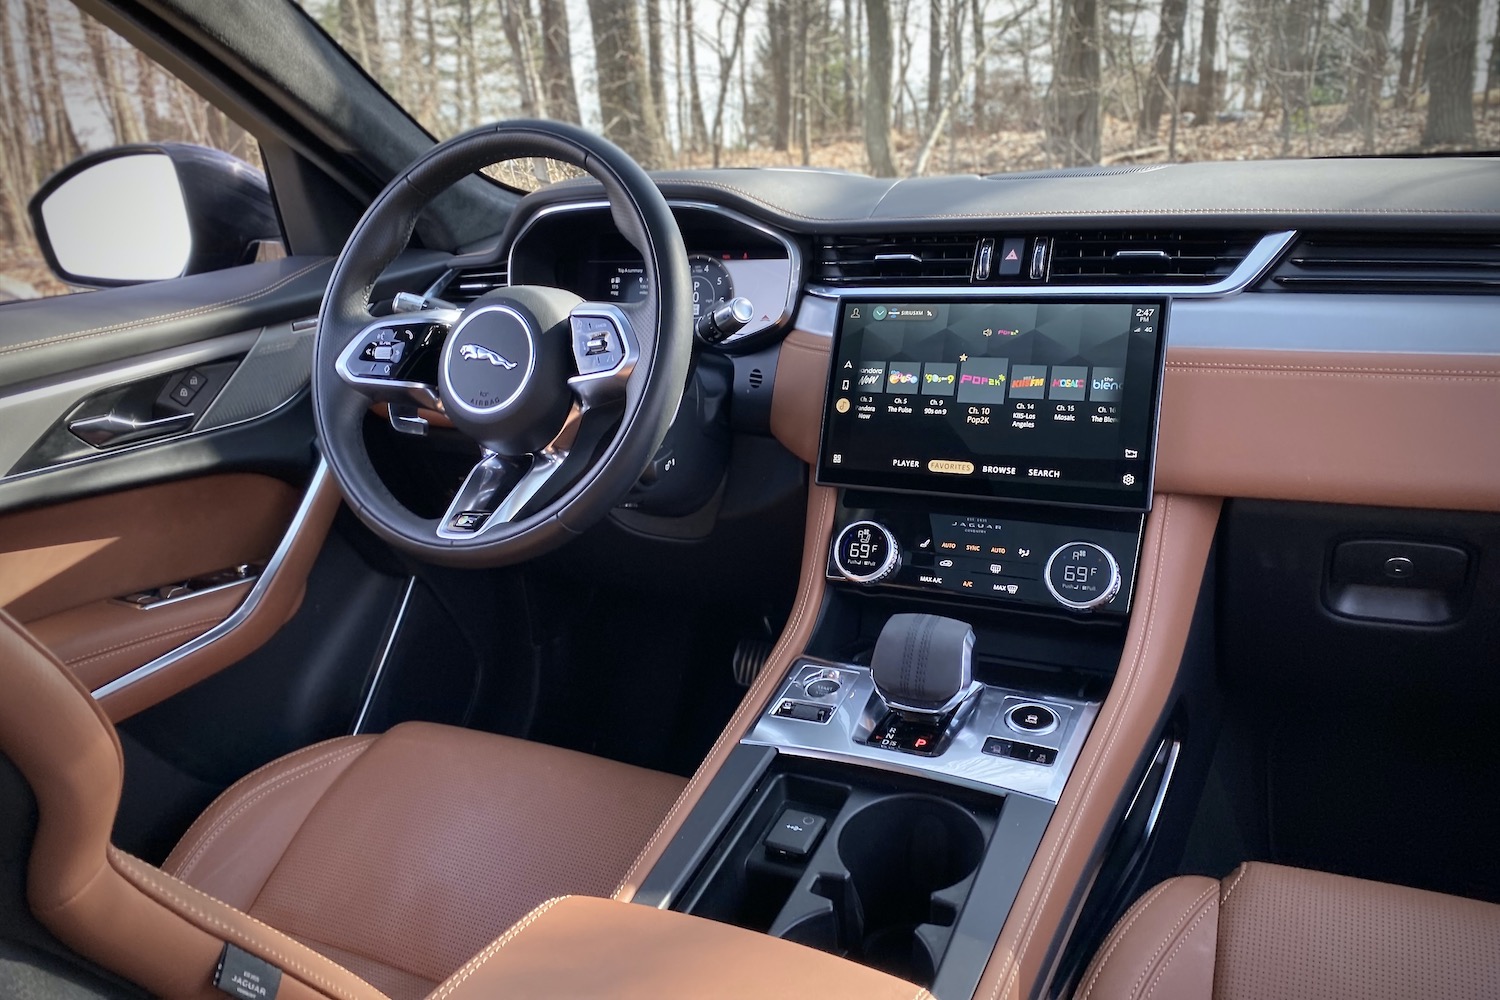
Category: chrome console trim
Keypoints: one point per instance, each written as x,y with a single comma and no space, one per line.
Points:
385,655
962,763
247,606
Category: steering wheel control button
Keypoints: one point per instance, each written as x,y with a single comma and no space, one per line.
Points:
597,345
998,746
469,520
795,834
1081,576
865,553
1033,719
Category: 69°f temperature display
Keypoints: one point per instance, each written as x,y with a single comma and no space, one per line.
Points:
1082,575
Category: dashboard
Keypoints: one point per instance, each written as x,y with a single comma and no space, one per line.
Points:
576,246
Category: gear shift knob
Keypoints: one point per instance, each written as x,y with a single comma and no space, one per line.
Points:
923,664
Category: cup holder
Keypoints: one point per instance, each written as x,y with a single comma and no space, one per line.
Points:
907,860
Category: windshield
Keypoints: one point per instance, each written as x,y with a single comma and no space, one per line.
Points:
909,87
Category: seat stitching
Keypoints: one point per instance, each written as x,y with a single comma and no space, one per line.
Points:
100,331
302,771
1205,910
1194,907
474,964
1118,935
142,873
798,613
1238,878
98,654
1138,659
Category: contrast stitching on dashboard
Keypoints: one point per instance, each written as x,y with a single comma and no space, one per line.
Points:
1389,374
301,771
100,331
474,964
1204,906
106,651
754,698
138,874
1248,366
1118,935
1182,919
1114,725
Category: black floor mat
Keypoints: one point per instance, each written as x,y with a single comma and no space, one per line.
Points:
1398,792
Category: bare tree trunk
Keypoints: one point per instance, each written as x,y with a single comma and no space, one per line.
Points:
726,74
16,158
1370,62
848,107
516,21
878,89
59,142
558,90
1493,66
359,31
429,106
695,96
1412,26
655,62
1073,100
625,101
981,44
1450,73
934,61
779,39
1207,104
803,46
1160,87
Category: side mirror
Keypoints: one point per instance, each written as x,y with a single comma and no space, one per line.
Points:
138,213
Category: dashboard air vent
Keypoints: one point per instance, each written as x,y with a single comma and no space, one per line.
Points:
471,282
938,259
1137,257
1393,262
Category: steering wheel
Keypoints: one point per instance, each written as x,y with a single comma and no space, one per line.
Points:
568,400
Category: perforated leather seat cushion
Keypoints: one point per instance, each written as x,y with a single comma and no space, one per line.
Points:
1268,932
400,856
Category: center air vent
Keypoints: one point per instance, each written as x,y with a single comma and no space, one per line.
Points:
1131,257
1392,262
896,260
469,283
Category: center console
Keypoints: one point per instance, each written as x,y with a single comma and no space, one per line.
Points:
993,464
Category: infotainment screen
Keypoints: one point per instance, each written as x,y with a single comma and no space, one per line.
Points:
1053,402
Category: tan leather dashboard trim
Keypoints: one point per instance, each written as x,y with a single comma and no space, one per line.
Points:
1399,430
108,906
1276,425
282,587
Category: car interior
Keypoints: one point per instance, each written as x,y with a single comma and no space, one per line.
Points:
746,582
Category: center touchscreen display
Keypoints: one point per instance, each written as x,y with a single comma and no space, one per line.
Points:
1053,402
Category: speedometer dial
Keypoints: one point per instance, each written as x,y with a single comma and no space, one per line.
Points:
711,284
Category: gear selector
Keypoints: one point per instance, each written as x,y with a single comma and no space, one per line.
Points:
924,685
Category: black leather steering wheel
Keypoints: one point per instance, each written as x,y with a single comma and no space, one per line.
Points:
567,399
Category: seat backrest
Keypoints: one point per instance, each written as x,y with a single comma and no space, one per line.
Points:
110,907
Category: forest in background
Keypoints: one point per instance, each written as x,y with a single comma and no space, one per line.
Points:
891,87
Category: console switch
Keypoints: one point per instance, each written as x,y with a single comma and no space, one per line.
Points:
803,712
795,834
997,746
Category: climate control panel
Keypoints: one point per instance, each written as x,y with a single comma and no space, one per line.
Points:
1044,561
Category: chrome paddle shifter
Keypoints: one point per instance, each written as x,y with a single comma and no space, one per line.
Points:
924,684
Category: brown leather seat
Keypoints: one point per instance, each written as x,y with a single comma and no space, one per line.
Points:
1268,932
400,856
395,858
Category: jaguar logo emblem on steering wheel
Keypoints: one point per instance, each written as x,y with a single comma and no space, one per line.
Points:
473,352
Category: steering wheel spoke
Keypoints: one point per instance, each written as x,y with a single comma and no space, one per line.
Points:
605,351
499,488
387,359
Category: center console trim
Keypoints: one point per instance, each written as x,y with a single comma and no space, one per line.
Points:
963,762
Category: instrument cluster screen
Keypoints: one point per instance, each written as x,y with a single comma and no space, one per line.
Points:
1050,402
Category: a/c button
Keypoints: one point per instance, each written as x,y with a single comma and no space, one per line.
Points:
951,467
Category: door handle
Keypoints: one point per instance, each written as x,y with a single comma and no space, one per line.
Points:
114,429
